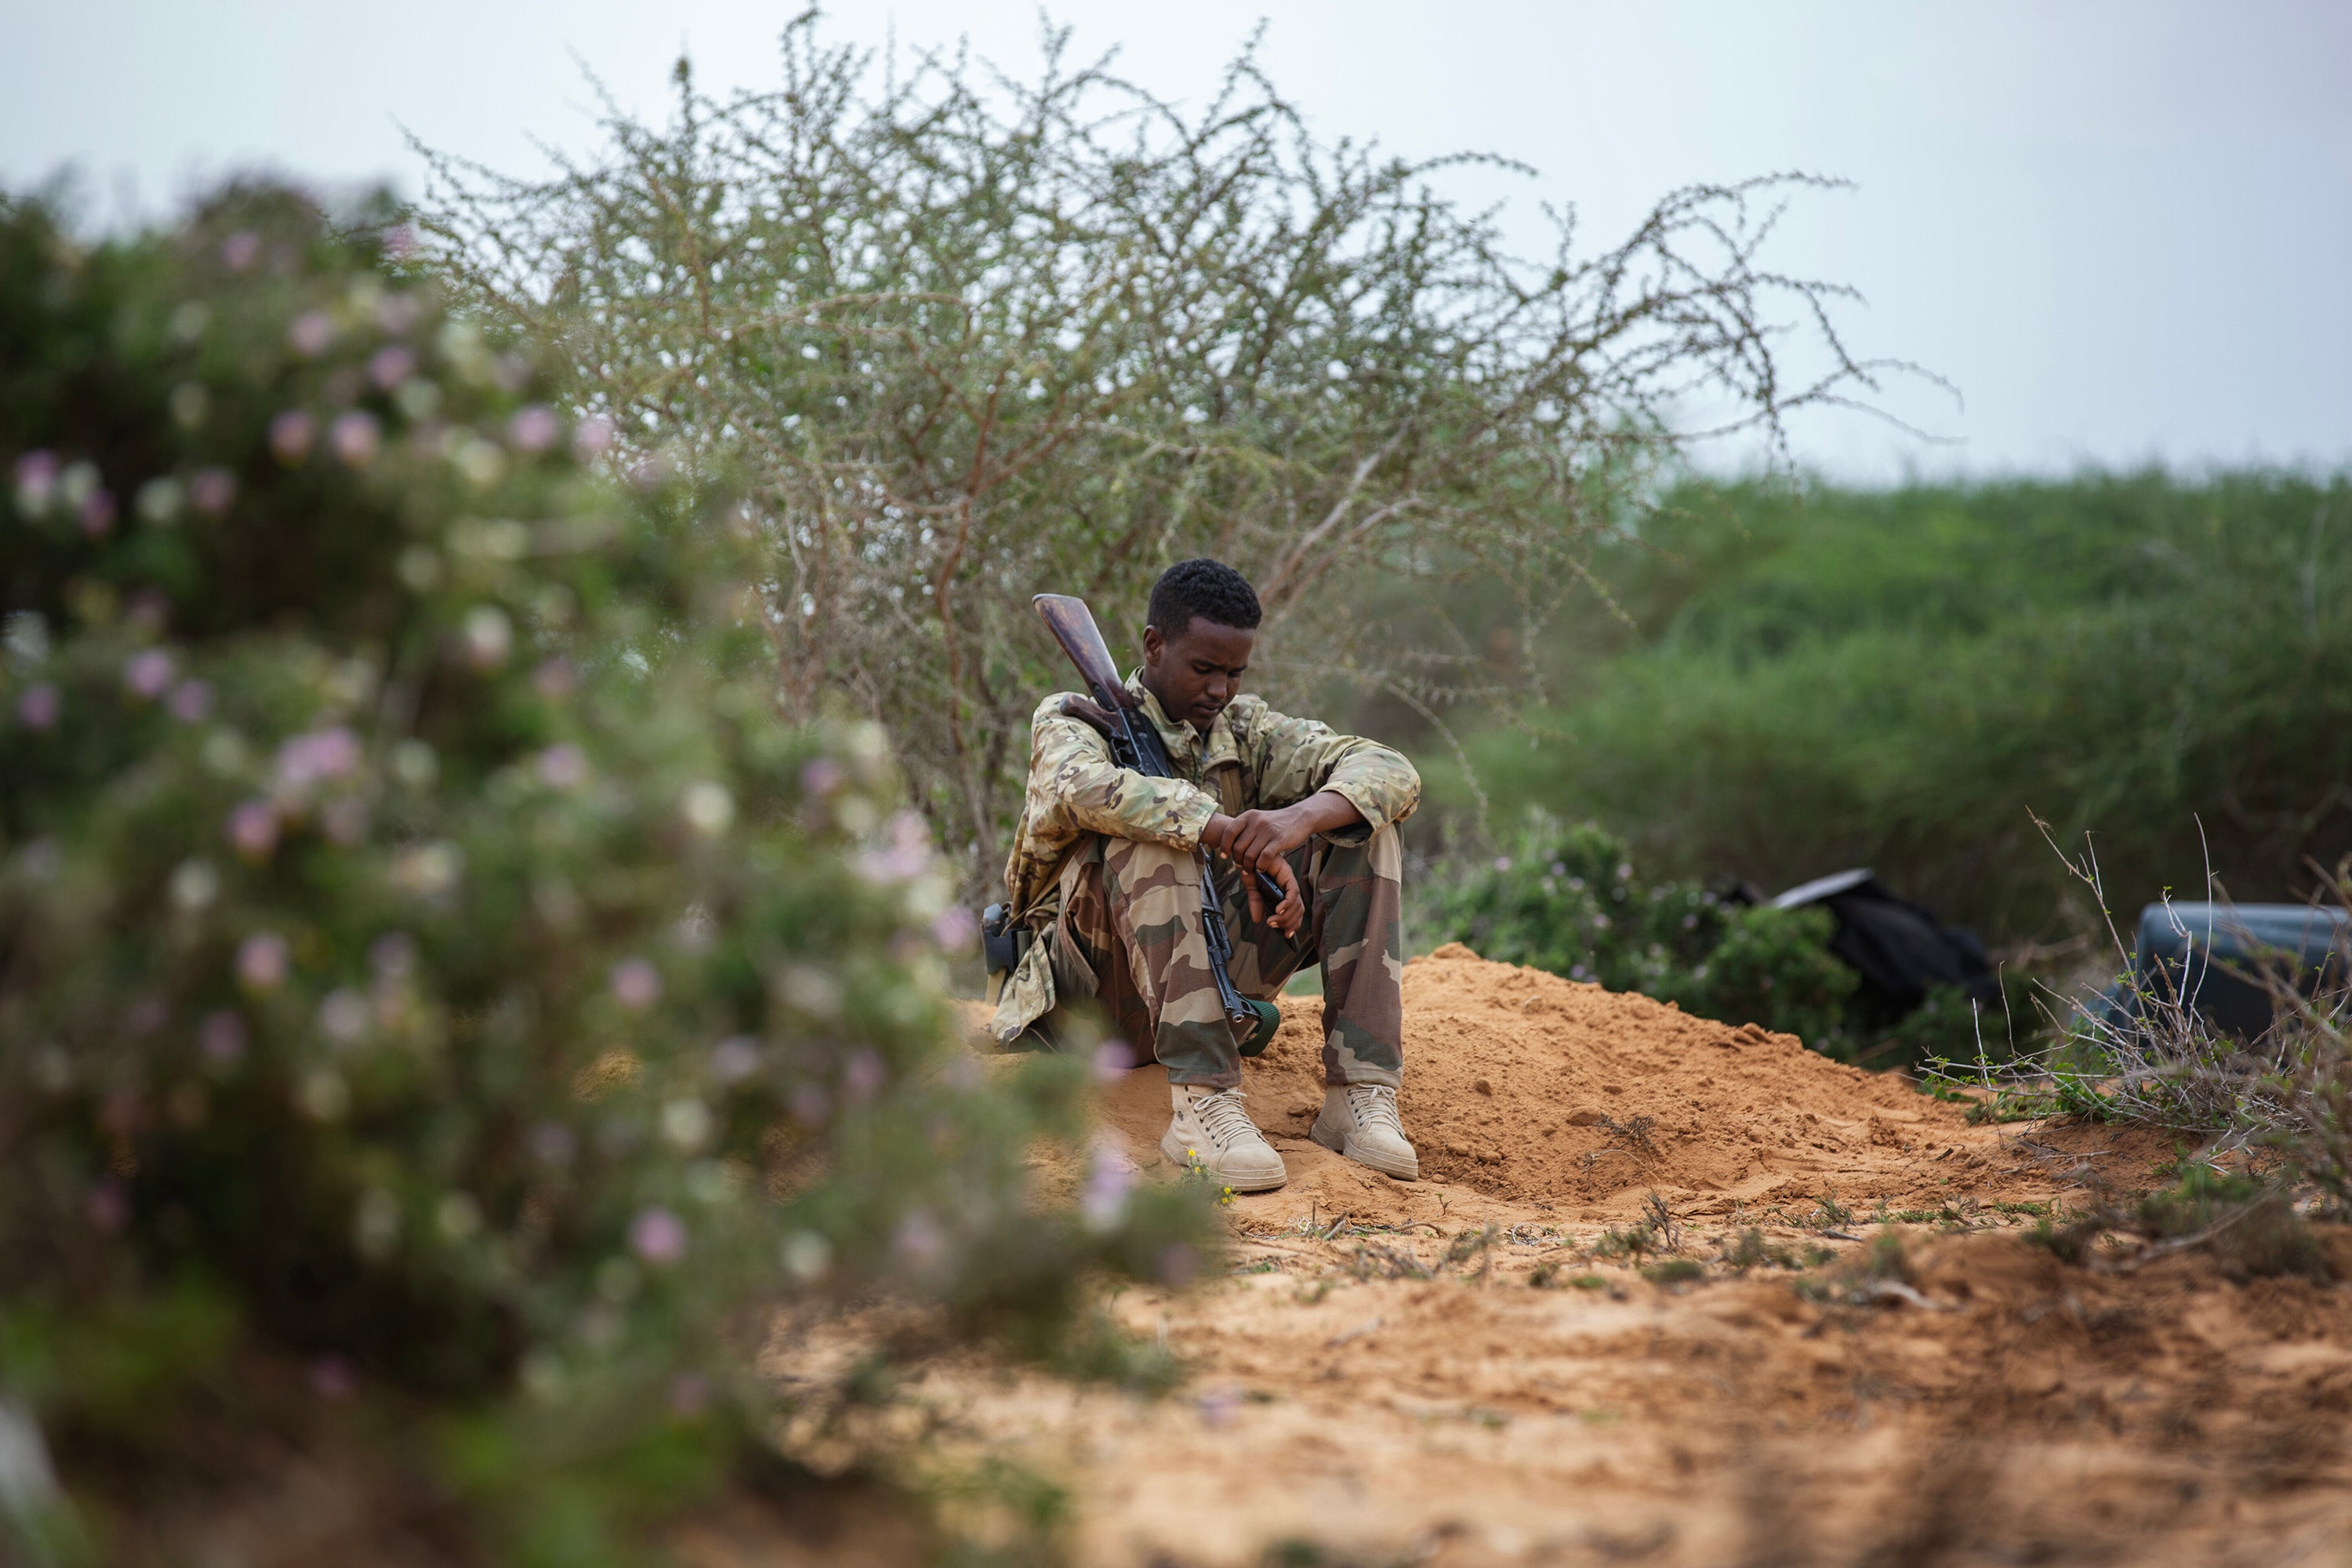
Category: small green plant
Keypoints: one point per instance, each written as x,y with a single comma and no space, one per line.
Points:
1196,1175
1674,1271
2250,1224
1631,1136
1633,1242
1829,1214
1662,1223
1555,1276
1879,1272
1750,1250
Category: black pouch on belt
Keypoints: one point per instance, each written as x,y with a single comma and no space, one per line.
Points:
1000,941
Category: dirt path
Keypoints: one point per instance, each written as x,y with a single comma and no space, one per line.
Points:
1380,1378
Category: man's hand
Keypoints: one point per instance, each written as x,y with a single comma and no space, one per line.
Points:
1287,915
1260,841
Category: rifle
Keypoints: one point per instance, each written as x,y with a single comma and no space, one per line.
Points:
1134,743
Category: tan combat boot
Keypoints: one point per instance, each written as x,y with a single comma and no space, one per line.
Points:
1359,1120
1210,1128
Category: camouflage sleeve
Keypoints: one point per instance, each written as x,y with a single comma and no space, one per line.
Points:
1073,780
1294,758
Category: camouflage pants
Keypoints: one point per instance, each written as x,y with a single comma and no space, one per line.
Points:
1129,938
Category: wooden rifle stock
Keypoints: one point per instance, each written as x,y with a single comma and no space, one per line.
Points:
1073,626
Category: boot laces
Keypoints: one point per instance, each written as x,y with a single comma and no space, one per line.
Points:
1223,1118
1374,1105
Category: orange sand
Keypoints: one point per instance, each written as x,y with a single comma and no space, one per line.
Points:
1369,1389
1509,1074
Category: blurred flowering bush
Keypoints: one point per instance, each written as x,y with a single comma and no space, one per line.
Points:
422,947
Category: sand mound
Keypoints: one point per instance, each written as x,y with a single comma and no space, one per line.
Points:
1535,1090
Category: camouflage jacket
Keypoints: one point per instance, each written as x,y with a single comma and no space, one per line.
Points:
1252,758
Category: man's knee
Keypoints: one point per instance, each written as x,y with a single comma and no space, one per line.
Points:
1380,857
1151,884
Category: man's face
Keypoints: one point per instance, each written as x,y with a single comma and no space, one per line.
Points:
1196,672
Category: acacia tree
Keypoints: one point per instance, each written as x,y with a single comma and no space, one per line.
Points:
968,338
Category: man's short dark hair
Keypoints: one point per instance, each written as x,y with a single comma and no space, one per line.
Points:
1209,589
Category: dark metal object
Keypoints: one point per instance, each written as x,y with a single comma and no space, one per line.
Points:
1900,949
1000,941
1135,744
2220,959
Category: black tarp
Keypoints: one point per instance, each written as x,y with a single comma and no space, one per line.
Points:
1899,949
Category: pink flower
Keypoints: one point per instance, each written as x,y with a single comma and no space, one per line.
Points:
210,490
533,429
321,754
400,241
398,312
637,984
593,438
734,1059
554,677
147,674
658,1236
822,776
39,707
563,766
955,928
291,435
262,961
241,250
37,480
906,854
863,1075
311,332
1114,1059
919,1241
191,701
98,514
355,438
390,366
221,1039
1103,1204
253,829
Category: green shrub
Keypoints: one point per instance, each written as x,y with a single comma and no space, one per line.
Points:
1567,899
1807,677
422,949
2250,1224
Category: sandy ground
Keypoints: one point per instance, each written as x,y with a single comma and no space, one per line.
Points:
1380,1378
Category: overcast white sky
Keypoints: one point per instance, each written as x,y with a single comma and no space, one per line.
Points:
2123,229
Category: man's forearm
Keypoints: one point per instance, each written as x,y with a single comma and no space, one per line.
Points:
1326,811
1255,835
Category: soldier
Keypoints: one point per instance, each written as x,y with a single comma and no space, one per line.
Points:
1105,878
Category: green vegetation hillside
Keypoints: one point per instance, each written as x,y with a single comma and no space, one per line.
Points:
1807,680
